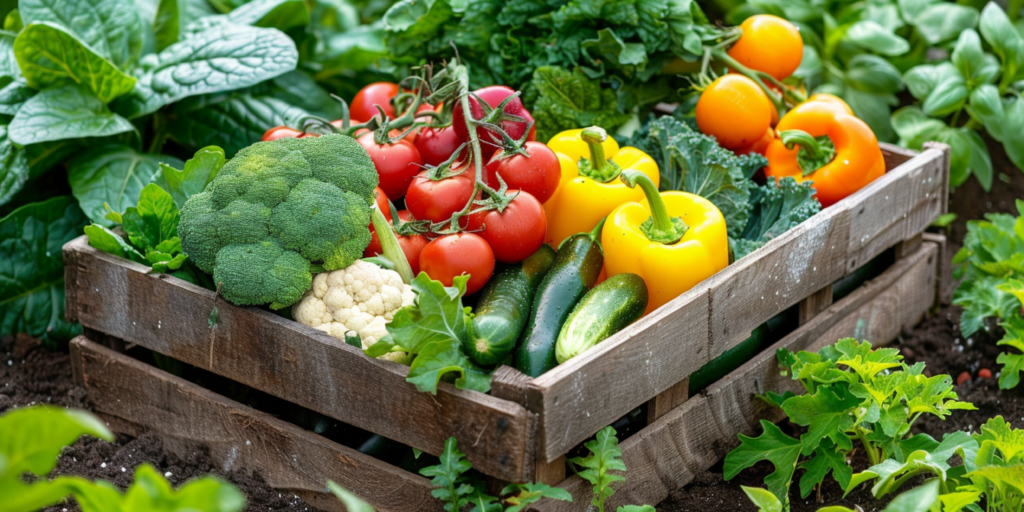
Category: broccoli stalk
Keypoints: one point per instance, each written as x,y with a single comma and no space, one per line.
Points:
777,207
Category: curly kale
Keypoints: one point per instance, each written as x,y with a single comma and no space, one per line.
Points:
777,207
693,162
276,208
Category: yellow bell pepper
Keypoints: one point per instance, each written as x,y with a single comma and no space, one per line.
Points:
588,191
672,240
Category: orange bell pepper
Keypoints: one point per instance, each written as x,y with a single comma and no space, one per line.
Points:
819,141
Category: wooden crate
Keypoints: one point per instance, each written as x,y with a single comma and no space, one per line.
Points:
520,431
134,397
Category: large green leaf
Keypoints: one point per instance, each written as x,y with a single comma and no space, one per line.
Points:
221,58
279,14
198,172
8,62
774,446
14,168
13,96
48,55
67,112
110,27
34,437
32,268
230,120
112,174
943,21
871,35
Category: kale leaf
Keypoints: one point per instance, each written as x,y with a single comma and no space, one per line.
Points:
777,207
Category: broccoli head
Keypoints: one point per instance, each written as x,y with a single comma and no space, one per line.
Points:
778,207
276,208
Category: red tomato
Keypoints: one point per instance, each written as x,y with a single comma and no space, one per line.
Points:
454,255
437,144
514,233
493,95
437,200
539,173
412,245
281,132
382,203
379,93
396,164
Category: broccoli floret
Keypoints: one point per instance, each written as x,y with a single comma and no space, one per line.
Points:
778,207
253,274
288,200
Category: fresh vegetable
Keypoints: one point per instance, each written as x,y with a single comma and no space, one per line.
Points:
837,152
282,132
495,105
396,161
591,161
194,176
437,144
734,110
533,168
514,229
605,310
275,208
778,206
504,307
433,331
769,44
693,162
574,271
662,234
364,104
991,266
411,240
851,393
461,254
438,192
361,297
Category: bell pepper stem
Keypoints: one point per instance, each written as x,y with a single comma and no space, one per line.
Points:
664,228
816,152
803,139
389,244
601,169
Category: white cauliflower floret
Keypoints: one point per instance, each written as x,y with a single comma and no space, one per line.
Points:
361,297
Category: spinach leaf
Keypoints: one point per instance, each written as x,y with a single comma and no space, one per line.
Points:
112,28
67,112
48,55
230,120
32,268
13,96
220,58
112,174
8,63
14,169
280,14
198,172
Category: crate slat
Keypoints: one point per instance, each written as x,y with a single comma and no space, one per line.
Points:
293,361
135,397
669,453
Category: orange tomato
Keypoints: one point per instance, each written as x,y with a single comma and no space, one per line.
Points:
832,100
734,110
769,44
759,146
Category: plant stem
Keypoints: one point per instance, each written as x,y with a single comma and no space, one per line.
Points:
868,449
776,98
664,230
803,139
389,244
598,167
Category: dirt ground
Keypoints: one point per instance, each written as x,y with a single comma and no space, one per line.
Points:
30,374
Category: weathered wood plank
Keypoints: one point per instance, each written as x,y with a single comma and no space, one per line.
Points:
691,438
814,304
140,397
295,362
667,400
944,287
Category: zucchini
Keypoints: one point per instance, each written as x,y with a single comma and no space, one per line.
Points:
602,312
504,308
574,271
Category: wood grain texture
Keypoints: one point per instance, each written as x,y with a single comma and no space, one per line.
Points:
691,438
945,285
814,304
292,460
667,400
581,396
296,363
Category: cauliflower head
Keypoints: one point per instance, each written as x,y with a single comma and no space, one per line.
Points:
276,208
361,297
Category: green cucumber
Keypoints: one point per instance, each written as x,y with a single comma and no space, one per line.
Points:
504,308
602,312
575,270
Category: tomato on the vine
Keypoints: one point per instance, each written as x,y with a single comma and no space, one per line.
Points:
769,44
437,144
396,164
538,172
382,202
437,200
412,245
734,110
282,132
515,232
493,96
449,256
378,93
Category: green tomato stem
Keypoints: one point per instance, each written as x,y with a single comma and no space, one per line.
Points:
774,97
665,229
389,244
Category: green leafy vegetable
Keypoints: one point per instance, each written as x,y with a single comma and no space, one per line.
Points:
197,173
772,445
14,168
778,206
32,268
597,468
66,112
111,27
523,495
449,478
112,175
567,100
